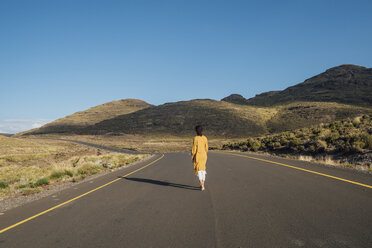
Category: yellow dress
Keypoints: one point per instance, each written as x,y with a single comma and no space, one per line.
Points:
199,152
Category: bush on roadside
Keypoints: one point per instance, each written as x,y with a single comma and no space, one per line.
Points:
41,182
3,184
60,174
349,136
57,175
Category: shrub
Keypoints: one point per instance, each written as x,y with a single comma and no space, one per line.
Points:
255,146
276,145
89,169
41,182
312,148
301,148
356,123
367,139
3,184
244,148
263,146
23,186
317,131
357,146
82,171
95,169
69,173
294,144
320,146
57,175
284,141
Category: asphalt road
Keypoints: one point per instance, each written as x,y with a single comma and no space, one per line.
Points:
247,203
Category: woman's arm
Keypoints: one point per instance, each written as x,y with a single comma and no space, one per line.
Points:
194,148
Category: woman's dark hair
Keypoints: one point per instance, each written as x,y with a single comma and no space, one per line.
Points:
199,130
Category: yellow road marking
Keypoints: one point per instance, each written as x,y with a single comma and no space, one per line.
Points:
310,171
75,198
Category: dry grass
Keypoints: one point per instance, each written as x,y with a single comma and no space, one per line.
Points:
156,144
257,114
30,165
329,160
103,112
324,159
27,152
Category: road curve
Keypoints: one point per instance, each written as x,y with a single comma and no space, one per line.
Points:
247,203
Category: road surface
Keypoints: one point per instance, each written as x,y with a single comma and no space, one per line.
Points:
247,203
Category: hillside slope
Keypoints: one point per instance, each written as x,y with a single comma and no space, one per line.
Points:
180,118
75,122
348,84
222,119
306,114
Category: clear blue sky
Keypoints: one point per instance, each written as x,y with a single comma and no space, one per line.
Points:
59,57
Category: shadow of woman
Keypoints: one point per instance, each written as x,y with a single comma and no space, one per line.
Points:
162,183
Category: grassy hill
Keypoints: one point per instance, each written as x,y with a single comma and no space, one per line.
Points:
180,118
223,119
220,119
306,114
349,84
73,123
338,93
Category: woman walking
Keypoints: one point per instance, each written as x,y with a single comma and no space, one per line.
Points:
199,155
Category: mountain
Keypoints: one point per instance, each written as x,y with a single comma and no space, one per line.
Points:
348,84
223,119
220,118
339,93
73,123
